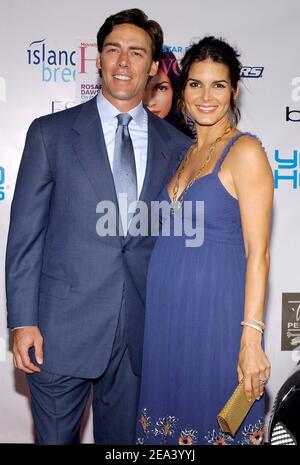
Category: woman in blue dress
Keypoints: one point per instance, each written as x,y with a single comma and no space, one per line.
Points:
205,301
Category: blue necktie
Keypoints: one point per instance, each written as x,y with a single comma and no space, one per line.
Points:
124,169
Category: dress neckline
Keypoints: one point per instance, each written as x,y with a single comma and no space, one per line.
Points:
216,167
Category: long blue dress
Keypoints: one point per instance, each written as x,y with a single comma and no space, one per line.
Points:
194,306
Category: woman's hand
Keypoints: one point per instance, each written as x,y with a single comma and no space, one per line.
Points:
254,367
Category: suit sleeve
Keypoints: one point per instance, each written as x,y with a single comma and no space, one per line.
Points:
28,225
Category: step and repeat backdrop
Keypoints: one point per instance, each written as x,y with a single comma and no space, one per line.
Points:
48,52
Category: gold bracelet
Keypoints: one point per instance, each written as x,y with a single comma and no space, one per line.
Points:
252,325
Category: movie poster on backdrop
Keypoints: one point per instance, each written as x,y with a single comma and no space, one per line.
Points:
88,81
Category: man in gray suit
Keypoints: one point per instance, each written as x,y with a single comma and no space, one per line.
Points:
76,298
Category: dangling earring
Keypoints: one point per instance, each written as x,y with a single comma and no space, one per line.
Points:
233,111
188,120
184,113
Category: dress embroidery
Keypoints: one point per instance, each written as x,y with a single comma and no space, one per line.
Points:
188,437
165,427
253,435
217,438
169,427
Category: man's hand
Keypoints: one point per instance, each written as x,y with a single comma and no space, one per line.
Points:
24,339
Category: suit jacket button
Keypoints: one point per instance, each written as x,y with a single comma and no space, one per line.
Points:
124,249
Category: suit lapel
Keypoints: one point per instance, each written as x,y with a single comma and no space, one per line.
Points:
158,164
157,160
90,148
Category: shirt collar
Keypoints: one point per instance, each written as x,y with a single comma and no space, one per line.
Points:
108,112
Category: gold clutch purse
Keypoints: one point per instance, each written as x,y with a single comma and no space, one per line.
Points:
234,411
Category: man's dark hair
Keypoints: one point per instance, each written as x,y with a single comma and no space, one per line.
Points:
137,18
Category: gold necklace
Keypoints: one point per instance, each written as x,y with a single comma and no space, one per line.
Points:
211,151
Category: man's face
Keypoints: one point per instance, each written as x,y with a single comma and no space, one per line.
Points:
126,62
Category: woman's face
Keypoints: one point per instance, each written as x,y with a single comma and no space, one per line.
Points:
158,95
207,92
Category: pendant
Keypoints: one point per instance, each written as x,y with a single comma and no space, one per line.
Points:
175,207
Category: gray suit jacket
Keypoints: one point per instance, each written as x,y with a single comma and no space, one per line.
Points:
60,274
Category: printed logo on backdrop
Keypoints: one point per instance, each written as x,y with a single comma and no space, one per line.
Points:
287,172
252,72
59,105
2,181
88,82
290,336
53,64
292,113
178,50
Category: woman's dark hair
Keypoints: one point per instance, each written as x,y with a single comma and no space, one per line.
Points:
137,18
219,51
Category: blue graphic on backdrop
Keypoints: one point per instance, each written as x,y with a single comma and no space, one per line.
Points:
2,181
176,48
287,171
55,65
